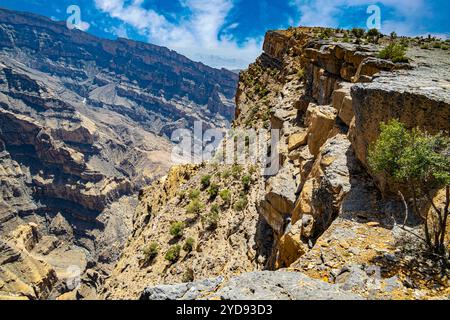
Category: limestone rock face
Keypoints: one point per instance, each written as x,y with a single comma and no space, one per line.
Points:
280,199
320,120
291,245
328,183
22,274
297,140
263,285
370,66
397,96
342,102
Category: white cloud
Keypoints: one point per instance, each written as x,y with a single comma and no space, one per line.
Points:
202,35
327,13
119,31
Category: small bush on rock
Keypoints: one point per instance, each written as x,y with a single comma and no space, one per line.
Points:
236,171
213,191
151,251
246,180
225,195
421,163
226,174
194,194
205,181
374,35
177,229
194,207
173,254
394,52
188,245
358,32
212,218
241,204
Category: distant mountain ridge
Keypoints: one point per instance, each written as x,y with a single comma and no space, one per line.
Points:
166,77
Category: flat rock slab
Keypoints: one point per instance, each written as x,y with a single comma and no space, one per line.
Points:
262,285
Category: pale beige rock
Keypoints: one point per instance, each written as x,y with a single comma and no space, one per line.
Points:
21,274
320,120
297,140
291,246
346,112
371,66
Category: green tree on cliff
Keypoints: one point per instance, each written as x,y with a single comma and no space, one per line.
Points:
374,35
421,162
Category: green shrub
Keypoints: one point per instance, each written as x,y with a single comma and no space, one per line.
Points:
194,207
151,251
393,35
213,191
212,218
374,35
421,162
323,35
215,208
205,181
404,42
444,47
188,244
194,194
241,204
424,46
188,276
253,169
177,229
246,181
182,195
226,174
264,92
301,74
358,32
437,45
173,254
225,195
236,171
394,52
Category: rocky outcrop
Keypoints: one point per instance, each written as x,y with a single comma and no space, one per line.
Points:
263,285
321,218
328,234
417,97
22,274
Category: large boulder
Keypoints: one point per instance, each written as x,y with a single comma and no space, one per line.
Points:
371,66
263,285
342,102
320,121
279,199
327,185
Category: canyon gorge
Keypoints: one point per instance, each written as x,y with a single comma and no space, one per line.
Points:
87,181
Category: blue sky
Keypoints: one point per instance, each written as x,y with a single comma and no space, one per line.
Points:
229,33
